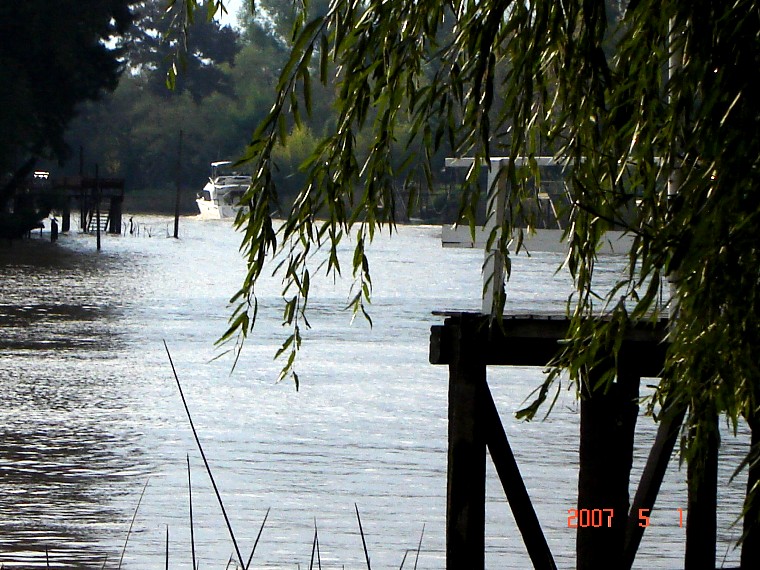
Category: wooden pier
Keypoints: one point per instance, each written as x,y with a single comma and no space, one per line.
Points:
469,342
99,201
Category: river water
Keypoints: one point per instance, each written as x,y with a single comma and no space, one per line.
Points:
92,424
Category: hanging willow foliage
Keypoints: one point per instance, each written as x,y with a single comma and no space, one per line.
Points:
667,90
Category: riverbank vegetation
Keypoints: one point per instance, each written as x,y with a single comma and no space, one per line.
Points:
224,82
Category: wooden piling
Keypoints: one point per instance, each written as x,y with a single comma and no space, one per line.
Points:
608,422
97,205
465,508
84,206
702,503
114,215
66,217
651,479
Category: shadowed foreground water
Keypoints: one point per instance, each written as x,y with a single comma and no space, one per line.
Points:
90,412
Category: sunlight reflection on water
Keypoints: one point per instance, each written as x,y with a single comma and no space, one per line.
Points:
90,411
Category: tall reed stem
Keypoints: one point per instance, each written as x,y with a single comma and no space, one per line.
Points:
205,461
258,536
192,525
361,531
132,523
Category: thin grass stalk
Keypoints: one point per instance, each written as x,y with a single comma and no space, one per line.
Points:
319,557
101,568
315,549
47,558
190,499
258,536
364,542
132,523
403,560
167,548
419,547
205,461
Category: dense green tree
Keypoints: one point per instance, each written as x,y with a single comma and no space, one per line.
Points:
53,56
191,59
134,132
276,19
667,100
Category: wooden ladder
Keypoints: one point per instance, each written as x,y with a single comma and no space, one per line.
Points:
92,225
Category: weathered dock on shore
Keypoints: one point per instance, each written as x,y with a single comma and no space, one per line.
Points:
99,201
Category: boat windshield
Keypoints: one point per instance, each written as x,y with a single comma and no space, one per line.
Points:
225,169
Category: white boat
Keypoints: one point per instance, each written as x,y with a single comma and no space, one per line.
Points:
220,197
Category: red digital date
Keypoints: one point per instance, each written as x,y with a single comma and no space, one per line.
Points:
585,518
596,518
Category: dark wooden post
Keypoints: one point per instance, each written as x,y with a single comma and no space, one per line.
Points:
66,215
465,509
608,421
702,476
53,230
97,205
114,215
179,186
84,206
751,545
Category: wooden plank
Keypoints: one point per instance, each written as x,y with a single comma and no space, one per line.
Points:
535,342
514,488
651,480
552,325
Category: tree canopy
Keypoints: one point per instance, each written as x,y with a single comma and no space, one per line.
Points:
202,51
53,57
133,132
659,110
